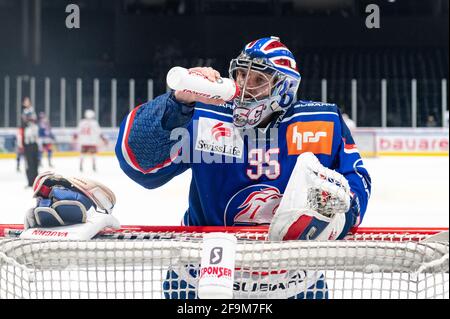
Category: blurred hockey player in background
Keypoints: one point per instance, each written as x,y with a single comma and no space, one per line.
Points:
88,137
19,148
28,139
270,185
46,139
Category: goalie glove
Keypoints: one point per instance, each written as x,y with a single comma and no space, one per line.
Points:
317,204
99,194
73,207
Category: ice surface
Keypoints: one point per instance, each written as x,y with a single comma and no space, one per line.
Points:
407,192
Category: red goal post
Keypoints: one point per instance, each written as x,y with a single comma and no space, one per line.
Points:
144,262
360,233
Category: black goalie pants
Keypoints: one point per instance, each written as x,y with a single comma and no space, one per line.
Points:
31,152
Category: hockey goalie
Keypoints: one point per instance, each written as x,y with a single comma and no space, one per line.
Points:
262,158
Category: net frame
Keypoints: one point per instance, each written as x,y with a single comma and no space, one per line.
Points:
393,261
408,233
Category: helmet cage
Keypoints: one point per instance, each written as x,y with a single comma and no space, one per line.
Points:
255,92
249,108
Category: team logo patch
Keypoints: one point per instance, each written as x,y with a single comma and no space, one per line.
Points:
253,205
315,137
218,137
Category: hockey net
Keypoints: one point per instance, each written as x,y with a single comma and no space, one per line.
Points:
162,262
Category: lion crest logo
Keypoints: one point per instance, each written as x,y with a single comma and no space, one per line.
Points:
253,205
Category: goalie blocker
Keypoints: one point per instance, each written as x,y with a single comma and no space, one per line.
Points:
317,204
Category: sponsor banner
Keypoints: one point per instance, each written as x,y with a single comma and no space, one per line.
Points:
220,138
64,140
412,141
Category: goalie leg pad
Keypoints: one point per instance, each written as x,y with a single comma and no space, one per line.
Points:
176,288
318,291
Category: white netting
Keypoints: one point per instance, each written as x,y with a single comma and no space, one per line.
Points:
165,264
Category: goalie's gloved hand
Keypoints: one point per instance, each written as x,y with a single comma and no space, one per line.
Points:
75,206
351,216
316,205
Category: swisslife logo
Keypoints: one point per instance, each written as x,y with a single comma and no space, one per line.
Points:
219,130
218,137
315,137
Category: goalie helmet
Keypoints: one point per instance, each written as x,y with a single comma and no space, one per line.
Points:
268,78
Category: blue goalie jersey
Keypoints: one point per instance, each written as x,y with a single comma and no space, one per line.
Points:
238,177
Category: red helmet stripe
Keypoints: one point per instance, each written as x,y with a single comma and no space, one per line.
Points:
274,45
285,62
251,44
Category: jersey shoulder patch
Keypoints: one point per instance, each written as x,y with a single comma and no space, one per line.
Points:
311,106
308,110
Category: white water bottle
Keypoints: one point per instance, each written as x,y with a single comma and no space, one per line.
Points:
182,79
217,266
